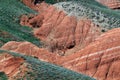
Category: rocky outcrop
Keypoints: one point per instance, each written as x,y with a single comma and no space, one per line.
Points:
40,5
91,53
12,66
100,59
61,32
29,3
30,49
114,4
34,4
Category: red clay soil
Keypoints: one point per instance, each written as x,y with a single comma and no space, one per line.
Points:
100,59
114,4
12,66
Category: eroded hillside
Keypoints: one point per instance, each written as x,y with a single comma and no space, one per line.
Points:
80,35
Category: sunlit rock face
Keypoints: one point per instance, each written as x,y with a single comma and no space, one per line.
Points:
30,49
100,59
61,32
83,44
65,31
114,4
34,4
13,67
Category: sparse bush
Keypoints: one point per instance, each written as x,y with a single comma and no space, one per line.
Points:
3,76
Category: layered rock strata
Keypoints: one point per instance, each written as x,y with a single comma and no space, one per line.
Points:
30,49
87,50
61,33
12,66
100,59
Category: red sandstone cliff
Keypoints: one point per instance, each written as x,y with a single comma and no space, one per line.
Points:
28,48
12,66
114,4
38,7
100,59
87,50
61,33
91,53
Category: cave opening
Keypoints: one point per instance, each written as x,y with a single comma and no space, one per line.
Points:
103,30
118,8
38,1
71,46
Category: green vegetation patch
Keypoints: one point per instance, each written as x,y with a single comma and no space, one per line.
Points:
3,76
40,70
10,12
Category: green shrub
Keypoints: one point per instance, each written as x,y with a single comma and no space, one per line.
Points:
3,76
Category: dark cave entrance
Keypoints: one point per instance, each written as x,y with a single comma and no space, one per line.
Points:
38,1
118,8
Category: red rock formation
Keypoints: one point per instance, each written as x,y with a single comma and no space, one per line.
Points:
29,3
94,55
28,48
100,59
12,66
38,7
31,20
114,4
60,32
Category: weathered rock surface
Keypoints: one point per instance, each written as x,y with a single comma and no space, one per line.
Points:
114,4
28,48
61,32
100,59
91,53
36,6
12,66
